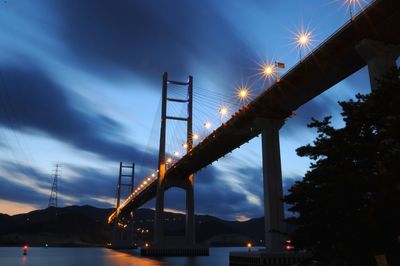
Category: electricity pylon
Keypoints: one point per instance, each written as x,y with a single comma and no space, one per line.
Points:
53,200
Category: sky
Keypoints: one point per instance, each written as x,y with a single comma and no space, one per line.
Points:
80,85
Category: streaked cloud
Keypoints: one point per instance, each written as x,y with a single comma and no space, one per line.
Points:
11,207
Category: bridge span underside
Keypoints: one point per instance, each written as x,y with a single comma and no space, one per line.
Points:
333,61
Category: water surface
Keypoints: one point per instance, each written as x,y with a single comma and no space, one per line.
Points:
37,256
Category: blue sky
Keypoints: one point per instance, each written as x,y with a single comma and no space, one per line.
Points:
80,85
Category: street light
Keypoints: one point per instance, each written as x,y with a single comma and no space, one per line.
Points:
207,125
303,40
242,93
269,70
351,4
223,111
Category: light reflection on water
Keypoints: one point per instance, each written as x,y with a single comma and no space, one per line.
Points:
12,256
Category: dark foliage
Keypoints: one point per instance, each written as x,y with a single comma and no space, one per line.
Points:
348,203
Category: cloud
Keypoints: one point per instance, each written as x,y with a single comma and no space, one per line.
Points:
214,195
90,186
33,103
3,144
25,184
21,184
12,207
145,38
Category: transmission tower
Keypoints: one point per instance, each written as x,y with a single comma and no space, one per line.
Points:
53,195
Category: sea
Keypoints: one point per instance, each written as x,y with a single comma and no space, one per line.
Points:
54,256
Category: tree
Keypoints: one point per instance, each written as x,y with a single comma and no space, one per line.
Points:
348,204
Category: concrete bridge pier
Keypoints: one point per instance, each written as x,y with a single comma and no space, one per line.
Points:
159,236
272,180
379,56
122,237
274,252
159,214
175,245
190,223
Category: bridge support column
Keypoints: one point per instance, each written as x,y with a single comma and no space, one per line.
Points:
122,237
379,56
190,223
159,216
272,179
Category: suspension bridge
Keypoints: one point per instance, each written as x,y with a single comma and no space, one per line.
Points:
370,38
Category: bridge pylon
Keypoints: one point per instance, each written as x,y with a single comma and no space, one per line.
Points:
272,184
123,231
187,182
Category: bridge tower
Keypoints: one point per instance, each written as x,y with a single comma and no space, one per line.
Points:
120,184
122,232
186,183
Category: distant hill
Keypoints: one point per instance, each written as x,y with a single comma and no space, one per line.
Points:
87,226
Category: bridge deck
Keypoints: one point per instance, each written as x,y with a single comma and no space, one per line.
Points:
334,60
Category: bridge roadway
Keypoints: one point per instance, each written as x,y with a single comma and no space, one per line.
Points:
334,60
